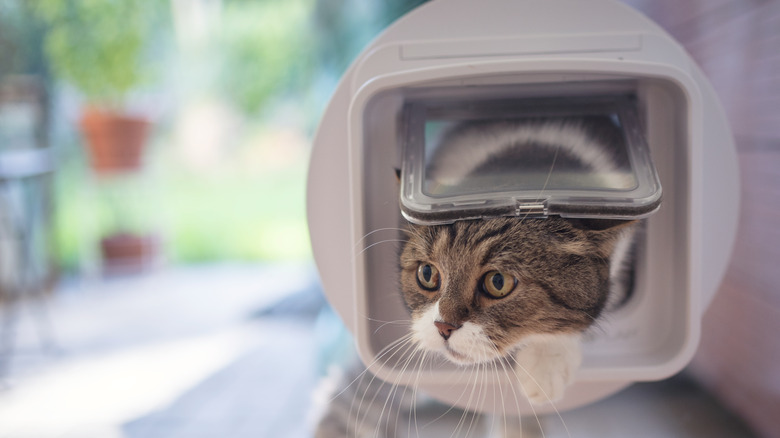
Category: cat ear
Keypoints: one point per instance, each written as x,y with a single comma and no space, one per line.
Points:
603,233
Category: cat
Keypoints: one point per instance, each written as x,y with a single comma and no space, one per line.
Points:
481,290
518,289
525,288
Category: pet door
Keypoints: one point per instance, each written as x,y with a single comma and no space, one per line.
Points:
575,157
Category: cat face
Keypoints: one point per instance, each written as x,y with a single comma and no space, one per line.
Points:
477,289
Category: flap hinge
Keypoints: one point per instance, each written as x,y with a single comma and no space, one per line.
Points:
533,209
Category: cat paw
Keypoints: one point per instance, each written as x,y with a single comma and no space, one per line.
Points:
546,368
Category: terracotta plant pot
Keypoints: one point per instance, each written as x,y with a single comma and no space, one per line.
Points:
129,252
115,141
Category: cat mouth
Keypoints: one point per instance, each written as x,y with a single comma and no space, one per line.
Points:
457,357
468,358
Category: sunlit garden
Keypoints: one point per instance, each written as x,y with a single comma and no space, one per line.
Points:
229,94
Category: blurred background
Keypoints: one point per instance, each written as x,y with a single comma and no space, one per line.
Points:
155,271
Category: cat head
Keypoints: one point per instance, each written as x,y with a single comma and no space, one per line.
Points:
477,289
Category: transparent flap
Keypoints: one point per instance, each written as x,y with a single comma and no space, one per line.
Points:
574,157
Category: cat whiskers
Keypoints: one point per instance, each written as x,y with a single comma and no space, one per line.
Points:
404,348
365,236
412,416
396,385
390,399
560,417
462,419
483,372
415,386
500,387
378,230
533,410
405,343
355,416
401,322
506,366
452,406
398,342
515,390
475,373
378,243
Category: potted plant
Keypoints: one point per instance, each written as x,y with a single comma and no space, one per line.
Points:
128,243
98,47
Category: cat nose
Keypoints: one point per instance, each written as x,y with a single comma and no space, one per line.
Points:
445,329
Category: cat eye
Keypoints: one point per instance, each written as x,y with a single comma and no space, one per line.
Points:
495,284
428,277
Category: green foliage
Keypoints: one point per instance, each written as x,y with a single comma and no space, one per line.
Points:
262,50
247,217
265,50
237,215
97,45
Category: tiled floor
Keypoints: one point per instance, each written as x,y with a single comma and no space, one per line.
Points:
211,352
